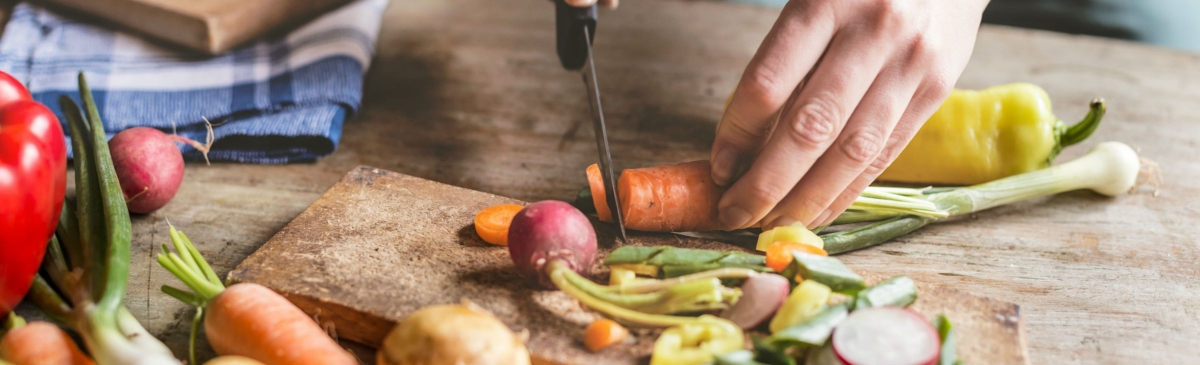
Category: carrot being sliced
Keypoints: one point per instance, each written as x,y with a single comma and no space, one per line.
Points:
599,197
667,198
603,333
492,223
779,254
41,343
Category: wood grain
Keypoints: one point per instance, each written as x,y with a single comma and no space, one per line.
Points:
209,26
379,245
470,93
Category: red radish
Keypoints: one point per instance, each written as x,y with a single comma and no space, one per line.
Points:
886,336
149,166
551,231
762,295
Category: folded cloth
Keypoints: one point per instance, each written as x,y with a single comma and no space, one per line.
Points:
280,100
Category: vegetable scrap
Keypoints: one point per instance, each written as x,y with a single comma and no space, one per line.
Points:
492,223
602,333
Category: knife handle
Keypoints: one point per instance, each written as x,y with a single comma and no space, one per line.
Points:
570,22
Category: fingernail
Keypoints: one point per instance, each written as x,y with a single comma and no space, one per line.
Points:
723,166
820,218
780,222
733,218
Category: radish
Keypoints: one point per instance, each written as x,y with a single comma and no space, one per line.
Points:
762,295
886,336
149,166
549,234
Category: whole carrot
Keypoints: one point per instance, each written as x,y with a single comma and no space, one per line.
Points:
39,343
248,319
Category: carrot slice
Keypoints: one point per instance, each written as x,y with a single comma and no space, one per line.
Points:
779,254
603,333
492,223
599,197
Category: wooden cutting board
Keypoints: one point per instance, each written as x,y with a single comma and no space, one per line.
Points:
379,245
209,26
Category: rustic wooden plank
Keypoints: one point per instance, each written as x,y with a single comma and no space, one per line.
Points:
475,98
209,26
379,245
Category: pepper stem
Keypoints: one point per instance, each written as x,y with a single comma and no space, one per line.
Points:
1084,129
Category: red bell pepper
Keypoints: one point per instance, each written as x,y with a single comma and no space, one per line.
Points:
33,182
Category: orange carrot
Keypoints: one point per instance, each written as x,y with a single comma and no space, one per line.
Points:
250,320
666,198
492,223
779,254
40,343
603,333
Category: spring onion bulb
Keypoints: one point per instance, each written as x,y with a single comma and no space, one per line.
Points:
1110,169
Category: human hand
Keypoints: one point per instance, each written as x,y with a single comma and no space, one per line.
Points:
611,4
834,93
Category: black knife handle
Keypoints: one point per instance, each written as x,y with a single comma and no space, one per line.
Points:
570,21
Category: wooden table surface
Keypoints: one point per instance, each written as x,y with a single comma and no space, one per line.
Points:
470,93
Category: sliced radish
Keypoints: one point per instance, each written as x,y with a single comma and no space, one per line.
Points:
886,336
761,297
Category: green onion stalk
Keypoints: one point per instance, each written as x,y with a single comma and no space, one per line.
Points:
86,267
1110,169
651,303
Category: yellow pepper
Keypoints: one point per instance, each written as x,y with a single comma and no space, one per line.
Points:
984,135
697,343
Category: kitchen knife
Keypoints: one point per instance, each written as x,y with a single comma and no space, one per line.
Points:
576,28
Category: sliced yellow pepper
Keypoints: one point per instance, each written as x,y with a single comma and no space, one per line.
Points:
804,301
788,234
697,343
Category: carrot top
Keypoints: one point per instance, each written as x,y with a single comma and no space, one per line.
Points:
193,271
779,254
492,223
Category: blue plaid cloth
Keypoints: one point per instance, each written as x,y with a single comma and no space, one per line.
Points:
280,100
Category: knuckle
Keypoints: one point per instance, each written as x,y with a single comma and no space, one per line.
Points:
816,121
764,84
938,86
885,158
767,193
863,145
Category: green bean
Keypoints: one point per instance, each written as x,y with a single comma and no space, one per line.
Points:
825,270
872,234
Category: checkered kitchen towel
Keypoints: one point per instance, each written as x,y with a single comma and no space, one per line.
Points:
279,100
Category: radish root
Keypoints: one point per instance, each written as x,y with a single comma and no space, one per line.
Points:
135,196
1149,174
203,148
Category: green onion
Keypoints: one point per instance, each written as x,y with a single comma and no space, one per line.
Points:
899,291
93,237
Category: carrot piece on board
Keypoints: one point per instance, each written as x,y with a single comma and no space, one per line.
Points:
599,197
779,254
250,320
492,223
603,333
41,343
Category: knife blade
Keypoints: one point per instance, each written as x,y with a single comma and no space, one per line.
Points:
606,168
575,31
